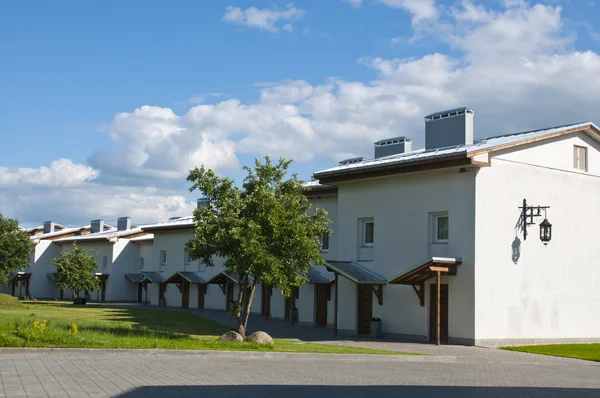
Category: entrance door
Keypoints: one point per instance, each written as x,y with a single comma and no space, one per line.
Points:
365,309
288,308
140,290
103,287
321,298
265,297
201,293
443,313
185,294
228,296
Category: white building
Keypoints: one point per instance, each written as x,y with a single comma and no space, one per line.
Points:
116,256
455,207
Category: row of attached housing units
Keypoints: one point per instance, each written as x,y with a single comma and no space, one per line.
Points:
468,241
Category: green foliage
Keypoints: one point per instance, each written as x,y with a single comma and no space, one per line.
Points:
75,270
263,229
6,300
15,248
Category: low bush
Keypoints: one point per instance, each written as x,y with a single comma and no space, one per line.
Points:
7,301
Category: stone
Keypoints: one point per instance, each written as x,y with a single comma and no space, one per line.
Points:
232,336
260,338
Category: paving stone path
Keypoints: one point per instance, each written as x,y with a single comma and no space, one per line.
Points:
104,373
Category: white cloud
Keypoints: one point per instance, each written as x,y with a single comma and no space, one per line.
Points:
516,67
419,9
61,173
264,19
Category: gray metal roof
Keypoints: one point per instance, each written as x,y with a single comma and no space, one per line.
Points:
357,272
182,222
154,277
136,278
319,274
448,111
64,231
486,143
105,235
193,277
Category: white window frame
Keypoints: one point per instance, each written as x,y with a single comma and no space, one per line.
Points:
435,217
323,239
104,262
186,259
141,262
162,260
580,163
363,232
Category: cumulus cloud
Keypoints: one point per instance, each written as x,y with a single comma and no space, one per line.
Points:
264,19
419,9
516,67
61,173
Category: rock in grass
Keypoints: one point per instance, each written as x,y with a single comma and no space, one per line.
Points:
260,338
232,336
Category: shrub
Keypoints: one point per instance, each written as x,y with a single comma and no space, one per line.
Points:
7,300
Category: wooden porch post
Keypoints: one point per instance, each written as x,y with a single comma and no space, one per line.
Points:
146,289
335,312
438,322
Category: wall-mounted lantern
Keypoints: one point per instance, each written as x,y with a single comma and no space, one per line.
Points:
527,215
545,231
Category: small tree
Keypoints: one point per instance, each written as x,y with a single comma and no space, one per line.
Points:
75,270
263,230
15,248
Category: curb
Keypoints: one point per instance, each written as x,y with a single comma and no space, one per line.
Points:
229,354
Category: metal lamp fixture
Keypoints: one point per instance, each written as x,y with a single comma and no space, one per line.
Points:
527,215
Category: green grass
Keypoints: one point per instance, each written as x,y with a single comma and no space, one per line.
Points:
590,352
7,300
129,328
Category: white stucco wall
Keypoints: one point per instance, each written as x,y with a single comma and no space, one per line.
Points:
400,207
551,292
124,261
40,286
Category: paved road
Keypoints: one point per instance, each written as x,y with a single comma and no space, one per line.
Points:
97,373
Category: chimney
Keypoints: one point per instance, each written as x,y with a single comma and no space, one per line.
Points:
123,223
352,161
96,226
48,227
449,128
392,146
202,202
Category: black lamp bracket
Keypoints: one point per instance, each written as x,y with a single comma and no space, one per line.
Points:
528,213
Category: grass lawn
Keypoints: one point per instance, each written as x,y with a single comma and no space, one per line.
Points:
49,324
589,352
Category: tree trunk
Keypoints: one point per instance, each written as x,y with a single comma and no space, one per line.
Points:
75,294
249,304
239,305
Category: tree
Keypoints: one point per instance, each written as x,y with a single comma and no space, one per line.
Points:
15,248
262,229
75,270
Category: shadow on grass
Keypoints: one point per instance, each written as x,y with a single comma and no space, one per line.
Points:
135,332
293,391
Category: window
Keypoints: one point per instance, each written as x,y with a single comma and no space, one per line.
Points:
104,262
325,242
368,232
186,259
580,158
141,262
163,260
440,228
201,267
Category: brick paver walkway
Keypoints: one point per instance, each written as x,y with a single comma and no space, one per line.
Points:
98,373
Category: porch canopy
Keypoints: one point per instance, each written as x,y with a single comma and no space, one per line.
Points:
359,274
19,276
223,277
318,274
154,277
137,278
417,276
52,277
185,276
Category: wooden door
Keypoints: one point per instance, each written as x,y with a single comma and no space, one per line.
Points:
265,297
443,313
365,309
140,290
201,294
185,294
103,287
321,298
228,296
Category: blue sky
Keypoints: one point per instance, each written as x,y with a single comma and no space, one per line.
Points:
104,106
